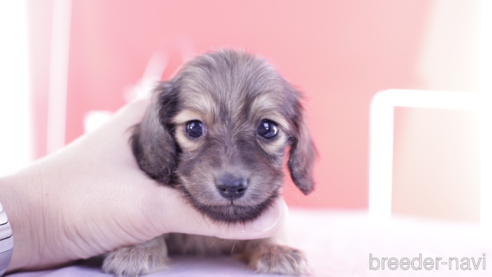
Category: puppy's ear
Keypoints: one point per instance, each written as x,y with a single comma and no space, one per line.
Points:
302,155
152,140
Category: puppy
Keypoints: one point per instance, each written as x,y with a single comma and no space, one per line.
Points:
218,132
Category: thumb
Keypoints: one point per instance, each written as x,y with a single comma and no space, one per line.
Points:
179,216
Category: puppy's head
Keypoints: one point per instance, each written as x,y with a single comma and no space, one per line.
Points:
218,131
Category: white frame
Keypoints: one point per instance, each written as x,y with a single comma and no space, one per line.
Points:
381,139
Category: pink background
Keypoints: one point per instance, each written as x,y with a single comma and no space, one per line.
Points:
340,53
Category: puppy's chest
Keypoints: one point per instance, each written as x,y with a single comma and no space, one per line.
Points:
178,243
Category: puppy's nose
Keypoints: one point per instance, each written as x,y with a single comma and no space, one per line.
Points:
231,187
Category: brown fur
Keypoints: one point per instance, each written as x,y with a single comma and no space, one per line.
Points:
230,92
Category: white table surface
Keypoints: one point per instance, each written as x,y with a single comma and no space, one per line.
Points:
338,243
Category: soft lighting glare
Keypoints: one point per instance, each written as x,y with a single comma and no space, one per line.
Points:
57,101
15,105
381,137
486,117
94,119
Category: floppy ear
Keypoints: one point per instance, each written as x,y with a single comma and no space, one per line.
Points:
152,141
302,155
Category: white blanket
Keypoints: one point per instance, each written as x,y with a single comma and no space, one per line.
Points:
339,243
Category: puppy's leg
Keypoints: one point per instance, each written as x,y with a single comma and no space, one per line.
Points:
141,259
266,256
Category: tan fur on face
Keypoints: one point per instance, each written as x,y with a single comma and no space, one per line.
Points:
180,120
278,144
187,115
200,101
265,104
283,127
186,142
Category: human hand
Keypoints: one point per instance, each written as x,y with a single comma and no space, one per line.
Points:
90,198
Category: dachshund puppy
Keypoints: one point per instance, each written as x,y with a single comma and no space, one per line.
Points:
218,132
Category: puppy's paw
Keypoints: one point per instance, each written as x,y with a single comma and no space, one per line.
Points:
278,259
135,261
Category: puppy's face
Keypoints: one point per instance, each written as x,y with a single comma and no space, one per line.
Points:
218,131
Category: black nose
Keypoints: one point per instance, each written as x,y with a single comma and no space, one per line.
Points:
231,187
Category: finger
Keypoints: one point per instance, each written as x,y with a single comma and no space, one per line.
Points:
176,214
267,225
130,114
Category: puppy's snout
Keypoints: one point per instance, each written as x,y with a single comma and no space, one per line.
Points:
231,187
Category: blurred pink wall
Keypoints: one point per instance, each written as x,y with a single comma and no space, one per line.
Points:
340,53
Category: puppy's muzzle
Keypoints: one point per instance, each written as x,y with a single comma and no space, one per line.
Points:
231,187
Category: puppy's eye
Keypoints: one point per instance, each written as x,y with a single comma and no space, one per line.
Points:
194,128
267,129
